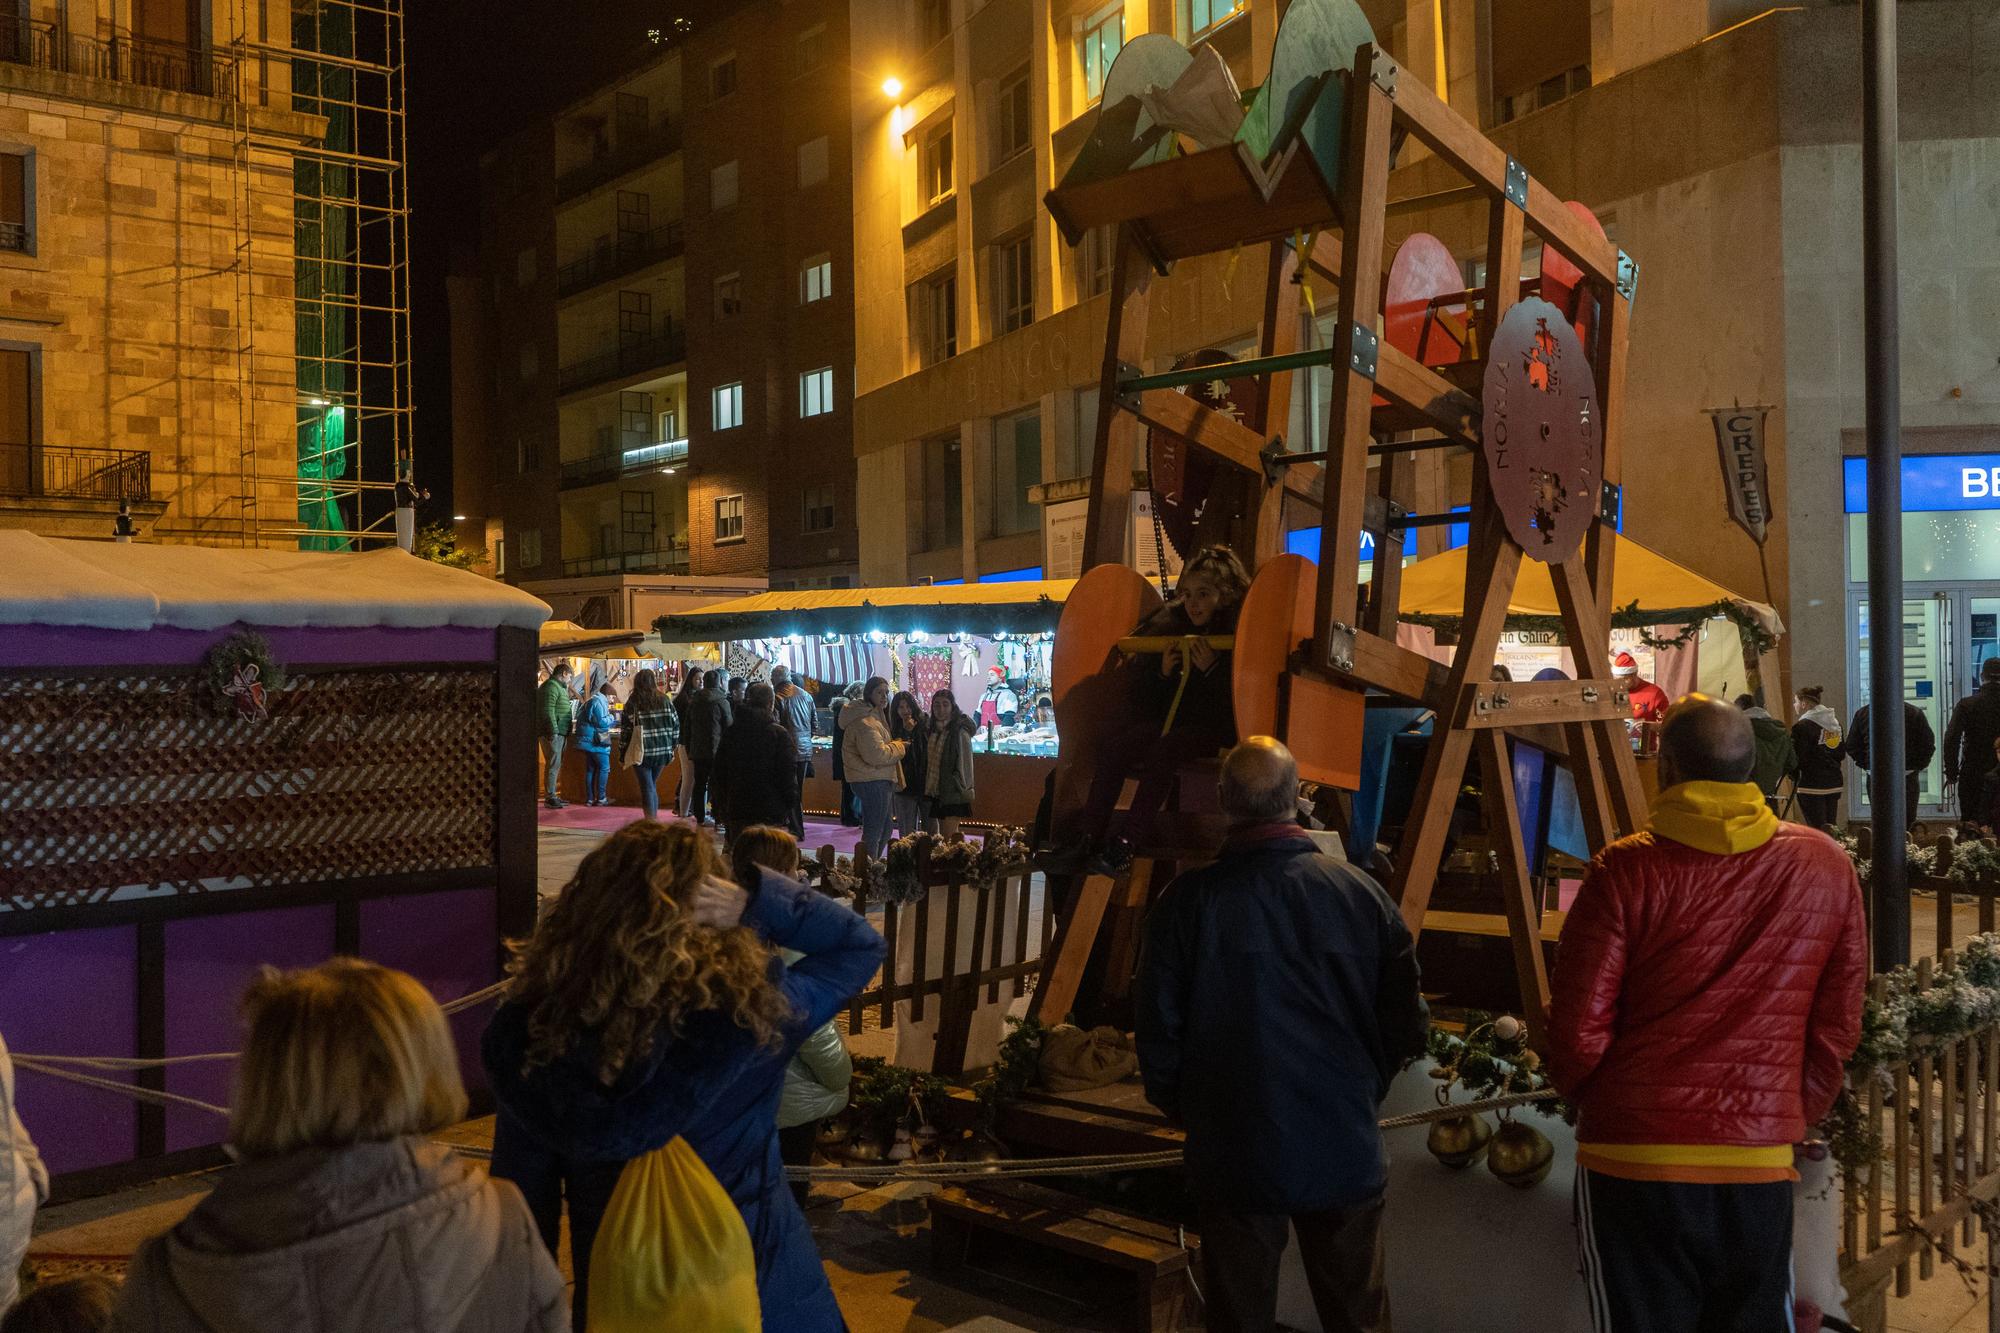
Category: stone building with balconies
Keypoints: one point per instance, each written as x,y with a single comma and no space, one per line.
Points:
146,273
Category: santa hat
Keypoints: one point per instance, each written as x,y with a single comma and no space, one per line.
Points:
998,673
1623,665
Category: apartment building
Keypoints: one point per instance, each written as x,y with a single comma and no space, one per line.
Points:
1717,141
147,282
659,335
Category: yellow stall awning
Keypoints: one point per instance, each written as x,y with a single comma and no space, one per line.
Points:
1646,589
966,608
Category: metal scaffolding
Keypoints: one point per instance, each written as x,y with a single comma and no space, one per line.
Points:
343,61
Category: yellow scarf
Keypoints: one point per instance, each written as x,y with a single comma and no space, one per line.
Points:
1719,817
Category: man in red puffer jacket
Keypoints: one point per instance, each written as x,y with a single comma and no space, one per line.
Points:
1707,992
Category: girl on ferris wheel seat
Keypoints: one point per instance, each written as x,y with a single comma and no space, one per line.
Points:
1144,739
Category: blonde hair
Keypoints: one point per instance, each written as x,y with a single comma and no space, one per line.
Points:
342,1053
621,957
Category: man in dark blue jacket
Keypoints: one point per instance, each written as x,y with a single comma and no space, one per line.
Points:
1277,999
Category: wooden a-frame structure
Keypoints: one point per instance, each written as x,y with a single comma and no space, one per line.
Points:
1332,185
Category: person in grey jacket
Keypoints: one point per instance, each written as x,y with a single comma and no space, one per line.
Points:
343,1216
800,715
24,1185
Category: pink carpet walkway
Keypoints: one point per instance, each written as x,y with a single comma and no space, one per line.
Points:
611,818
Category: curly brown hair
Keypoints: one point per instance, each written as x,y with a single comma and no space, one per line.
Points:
621,956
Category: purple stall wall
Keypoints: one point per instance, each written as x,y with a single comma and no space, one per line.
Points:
209,960
73,993
451,943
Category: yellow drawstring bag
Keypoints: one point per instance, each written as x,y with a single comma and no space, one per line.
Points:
672,1252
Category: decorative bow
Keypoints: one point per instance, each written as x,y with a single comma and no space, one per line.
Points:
249,695
968,659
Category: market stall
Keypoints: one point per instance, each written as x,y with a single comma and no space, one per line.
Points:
212,760
617,656
989,643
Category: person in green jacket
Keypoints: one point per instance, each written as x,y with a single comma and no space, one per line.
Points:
1777,755
555,719
816,1080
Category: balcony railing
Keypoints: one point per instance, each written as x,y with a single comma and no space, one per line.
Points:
633,150
614,259
660,349
653,560
611,465
59,472
120,57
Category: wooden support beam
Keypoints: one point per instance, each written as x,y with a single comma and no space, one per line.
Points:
1517,889
1056,991
1587,627
1492,568
1364,189
1484,162
1187,416
1395,483
1495,704
1119,439
1380,663
1278,336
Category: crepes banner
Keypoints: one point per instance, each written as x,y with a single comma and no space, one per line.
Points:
1739,442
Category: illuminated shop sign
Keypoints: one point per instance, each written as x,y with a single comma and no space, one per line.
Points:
1931,482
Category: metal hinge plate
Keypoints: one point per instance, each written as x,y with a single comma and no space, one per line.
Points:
1382,72
1516,188
1340,647
1366,347
1611,502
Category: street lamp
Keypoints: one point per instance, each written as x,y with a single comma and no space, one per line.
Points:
892,88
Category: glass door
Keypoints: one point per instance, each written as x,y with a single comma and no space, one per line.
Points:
1928,676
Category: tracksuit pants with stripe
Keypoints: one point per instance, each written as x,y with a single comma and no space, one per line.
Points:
1663,1257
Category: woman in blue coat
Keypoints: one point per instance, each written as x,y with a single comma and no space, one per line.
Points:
649,1004
593,736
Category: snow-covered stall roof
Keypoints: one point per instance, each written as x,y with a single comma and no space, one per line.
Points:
141,586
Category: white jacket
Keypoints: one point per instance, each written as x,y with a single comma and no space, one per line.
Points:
24,1185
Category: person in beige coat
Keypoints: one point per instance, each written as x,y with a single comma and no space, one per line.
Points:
24,1185
343,1217
873,761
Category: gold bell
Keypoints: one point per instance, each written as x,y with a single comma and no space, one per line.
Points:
1520,1154
1459,1141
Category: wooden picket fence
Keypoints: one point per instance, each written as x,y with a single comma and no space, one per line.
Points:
1928,1195
994,913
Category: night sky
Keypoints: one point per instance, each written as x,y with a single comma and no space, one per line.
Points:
478,71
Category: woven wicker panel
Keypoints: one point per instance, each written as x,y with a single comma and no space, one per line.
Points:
129,782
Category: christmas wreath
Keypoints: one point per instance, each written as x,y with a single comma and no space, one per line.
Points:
238,676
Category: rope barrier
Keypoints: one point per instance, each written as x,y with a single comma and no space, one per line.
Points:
127,1064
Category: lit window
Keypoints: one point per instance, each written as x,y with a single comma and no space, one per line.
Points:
1014,282
729,519
727,401
812,162
816,279
816,508
728,295
810,52
1200,17
1103,34
936,318
722,187
936,163
1015,110
722,77
816,392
